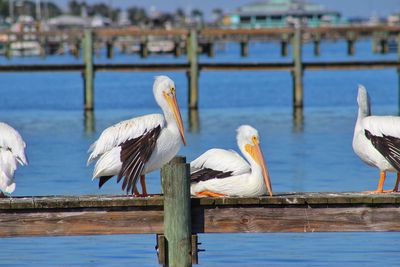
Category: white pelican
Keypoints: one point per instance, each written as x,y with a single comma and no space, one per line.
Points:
377,140
12,151
134,147
220,172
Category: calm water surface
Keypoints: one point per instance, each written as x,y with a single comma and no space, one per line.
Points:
313,155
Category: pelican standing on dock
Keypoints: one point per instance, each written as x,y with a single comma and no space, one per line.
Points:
377,140
220,172
140,145
12,152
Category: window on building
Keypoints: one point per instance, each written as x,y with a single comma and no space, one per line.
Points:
276,17
245,19
261,18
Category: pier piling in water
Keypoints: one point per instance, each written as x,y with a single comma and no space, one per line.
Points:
244,47
193,74
110,48
297,73
351,37
317,44
177,213
88,74
284,45
144,52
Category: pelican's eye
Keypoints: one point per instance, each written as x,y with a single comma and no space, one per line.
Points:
254,139
173,90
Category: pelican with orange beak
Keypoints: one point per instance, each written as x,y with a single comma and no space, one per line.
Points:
220,172
134,147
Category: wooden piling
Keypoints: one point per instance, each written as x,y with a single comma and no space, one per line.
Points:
177,48
244,48
144,52
8,46
177,213
88,73
210,49
77,49
375,43
43,45
317,44
194,121
193,74
384,43
297,73
110,48
284,45
89,122
350,43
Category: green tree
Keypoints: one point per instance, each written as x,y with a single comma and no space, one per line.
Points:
137,15
74,7
4,8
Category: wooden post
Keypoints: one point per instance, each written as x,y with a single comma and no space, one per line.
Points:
77,48
88,74
375,42
297,73
350,43
194,121
110,48
317,44
177,48
385,43
244,48
8,46
210,49
177,212
89,122
43,44
160,247
193,74
284,45
144,52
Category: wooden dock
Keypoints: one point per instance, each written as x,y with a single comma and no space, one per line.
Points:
194,42
176,218
284,212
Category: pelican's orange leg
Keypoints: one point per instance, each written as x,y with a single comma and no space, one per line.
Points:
380,183
209,194
143,184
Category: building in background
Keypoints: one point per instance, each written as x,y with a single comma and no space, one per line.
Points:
281,13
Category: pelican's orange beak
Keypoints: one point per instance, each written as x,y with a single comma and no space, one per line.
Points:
171,100
256,153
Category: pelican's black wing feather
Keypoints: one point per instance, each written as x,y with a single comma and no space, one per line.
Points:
207,174
388,146
134,155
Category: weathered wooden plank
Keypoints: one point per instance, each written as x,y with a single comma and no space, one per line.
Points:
143,67
285,66
80,222
289,212
348,65
246,66
298,219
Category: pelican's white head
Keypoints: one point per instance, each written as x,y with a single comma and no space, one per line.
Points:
363,100
249,143
165,94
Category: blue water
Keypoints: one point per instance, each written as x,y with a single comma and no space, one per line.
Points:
314,155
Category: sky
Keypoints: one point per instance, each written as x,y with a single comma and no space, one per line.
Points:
348,8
